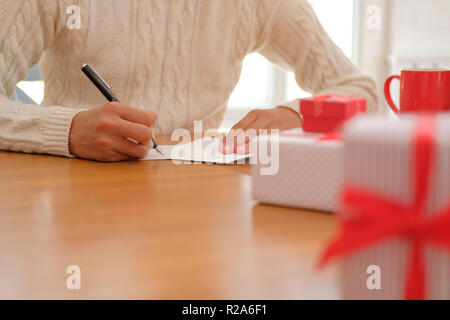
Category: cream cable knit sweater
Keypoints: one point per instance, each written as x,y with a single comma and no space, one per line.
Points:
180,58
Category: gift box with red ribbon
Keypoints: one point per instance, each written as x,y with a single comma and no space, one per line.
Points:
394,237
306,171
328,113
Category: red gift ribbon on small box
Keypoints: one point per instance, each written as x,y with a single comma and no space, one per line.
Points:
378,217
316,118
331,136
318,102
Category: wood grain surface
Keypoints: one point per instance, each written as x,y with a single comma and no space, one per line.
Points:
153,230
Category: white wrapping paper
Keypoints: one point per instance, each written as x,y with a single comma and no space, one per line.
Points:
378,158
309,173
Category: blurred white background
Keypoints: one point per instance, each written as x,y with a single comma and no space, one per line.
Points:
380,36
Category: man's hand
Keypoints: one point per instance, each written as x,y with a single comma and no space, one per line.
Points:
104,133
281,118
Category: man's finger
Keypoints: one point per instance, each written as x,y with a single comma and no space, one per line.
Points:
243,149
144,117
260,123
247,120
138,132
250,133
112,156
240,138
242,125
131,149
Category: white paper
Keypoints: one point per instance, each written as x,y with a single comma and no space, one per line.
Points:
203,150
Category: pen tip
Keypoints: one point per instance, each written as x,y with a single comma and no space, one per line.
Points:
159,150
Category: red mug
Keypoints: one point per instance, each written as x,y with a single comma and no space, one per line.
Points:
421,90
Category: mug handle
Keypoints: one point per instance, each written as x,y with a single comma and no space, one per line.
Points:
387,92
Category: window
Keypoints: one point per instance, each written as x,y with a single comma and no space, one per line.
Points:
254,84
31,90
263,85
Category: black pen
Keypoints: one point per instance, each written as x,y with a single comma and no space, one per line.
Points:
104,88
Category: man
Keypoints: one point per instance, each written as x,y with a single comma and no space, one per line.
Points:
173,62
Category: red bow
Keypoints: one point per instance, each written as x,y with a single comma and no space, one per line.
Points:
378,218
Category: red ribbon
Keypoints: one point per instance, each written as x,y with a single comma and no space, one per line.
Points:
318,105
331,136
378,218
318,102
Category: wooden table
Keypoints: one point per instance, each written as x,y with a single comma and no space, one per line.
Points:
154,230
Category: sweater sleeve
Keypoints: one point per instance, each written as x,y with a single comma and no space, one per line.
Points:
291,36
27,29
